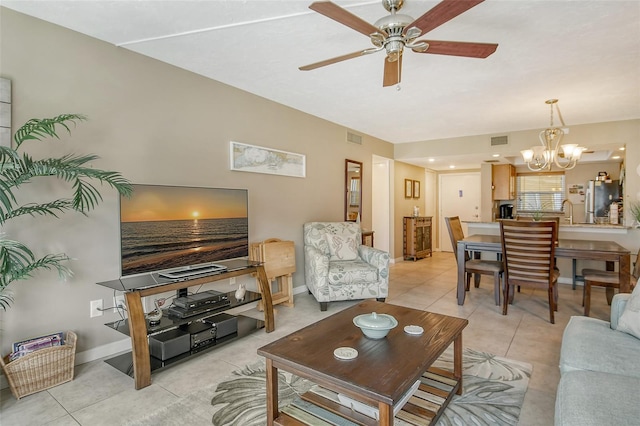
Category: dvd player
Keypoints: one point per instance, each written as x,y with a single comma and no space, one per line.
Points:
200,299
179,312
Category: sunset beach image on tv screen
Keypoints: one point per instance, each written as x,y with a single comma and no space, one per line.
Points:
164,227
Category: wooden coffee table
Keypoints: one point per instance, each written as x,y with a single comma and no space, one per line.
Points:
381,373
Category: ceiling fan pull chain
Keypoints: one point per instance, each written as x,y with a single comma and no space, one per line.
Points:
398,88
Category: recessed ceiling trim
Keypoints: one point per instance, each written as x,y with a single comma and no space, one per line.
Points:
236,24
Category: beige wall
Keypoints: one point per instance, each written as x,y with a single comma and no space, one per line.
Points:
404,206
156,124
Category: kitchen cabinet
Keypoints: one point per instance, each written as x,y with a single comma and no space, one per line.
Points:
503,178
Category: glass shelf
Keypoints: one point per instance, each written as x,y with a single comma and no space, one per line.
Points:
246,325
168,322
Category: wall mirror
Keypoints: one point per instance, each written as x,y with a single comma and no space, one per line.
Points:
353,190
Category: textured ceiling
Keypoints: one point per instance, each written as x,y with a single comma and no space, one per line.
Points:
585,53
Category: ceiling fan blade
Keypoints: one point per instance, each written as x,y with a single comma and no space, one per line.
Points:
392,72
334,60
441,13
335,12
459,48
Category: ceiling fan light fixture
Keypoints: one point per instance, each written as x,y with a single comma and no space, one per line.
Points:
377,39
394,49
412,33
419,47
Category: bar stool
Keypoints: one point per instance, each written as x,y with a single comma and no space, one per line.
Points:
607,279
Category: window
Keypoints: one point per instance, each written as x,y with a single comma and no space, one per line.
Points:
540,192
354,199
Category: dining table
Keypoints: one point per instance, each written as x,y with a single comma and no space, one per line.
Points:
608,251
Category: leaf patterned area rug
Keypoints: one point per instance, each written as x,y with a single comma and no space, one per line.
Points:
494,389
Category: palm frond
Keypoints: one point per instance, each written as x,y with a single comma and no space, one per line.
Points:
7,199
46,209
7,156
17,261
36,128
12,254
6,300
49,262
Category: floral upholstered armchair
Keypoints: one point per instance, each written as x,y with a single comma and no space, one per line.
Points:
338,267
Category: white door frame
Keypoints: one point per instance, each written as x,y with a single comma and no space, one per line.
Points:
381,205
442,226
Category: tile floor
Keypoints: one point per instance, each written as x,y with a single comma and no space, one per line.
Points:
101,395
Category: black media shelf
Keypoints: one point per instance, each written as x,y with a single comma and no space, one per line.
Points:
168,322
246,325
139,363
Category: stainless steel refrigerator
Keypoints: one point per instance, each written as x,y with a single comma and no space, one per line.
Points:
598,198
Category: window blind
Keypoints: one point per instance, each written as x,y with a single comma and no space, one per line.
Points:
540,192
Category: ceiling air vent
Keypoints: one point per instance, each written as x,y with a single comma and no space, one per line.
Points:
491,161
499,140
353,138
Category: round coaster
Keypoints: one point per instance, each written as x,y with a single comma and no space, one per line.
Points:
345,353
413,329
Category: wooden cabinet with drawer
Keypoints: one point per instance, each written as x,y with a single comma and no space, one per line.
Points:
417,237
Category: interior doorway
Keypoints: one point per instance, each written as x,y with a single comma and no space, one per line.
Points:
381,205
459,196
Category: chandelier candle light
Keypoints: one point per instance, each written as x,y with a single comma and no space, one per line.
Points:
541,157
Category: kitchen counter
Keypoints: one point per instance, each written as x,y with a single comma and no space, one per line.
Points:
566,227
626,236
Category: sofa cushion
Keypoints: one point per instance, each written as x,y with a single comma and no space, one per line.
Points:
591,344
629,321
342,246
352,272
592,398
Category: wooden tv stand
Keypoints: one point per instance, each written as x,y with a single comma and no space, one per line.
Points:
136,288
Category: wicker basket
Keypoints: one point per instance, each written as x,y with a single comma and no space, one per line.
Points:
42,369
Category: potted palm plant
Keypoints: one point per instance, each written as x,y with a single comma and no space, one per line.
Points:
634,208
17,168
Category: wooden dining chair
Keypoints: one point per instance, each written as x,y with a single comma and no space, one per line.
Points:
475,267
609,279
528,249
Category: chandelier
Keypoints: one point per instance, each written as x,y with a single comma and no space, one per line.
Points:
541,157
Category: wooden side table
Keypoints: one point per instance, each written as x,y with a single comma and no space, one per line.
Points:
278,258
367,238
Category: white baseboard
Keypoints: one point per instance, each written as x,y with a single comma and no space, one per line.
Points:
103,351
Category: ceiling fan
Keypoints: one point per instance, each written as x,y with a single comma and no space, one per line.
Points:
396,31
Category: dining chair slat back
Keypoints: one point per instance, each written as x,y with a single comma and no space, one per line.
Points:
528,249
475,267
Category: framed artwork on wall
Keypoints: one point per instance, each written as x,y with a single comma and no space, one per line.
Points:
416,189
257,159
408,188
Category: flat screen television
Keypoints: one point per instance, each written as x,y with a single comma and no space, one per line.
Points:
182,228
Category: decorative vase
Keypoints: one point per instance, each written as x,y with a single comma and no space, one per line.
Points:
155,316
240,292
